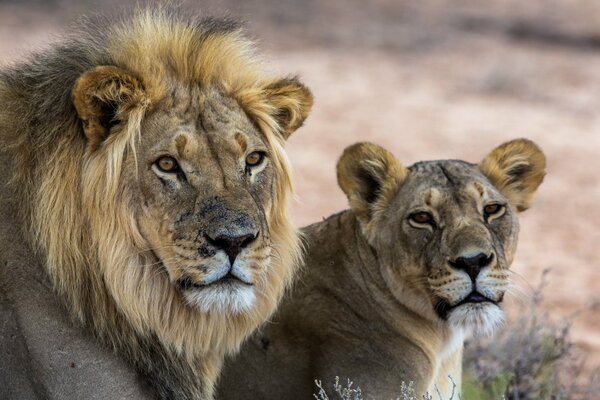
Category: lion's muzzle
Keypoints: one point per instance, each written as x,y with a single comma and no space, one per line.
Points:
221,250
473,300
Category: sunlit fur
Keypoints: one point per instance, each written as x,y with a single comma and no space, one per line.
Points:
77,209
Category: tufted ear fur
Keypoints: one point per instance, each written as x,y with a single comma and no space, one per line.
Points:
103,97
516,168
287,102
291,102
369,175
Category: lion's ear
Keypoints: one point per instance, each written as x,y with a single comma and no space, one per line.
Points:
287,102
291,103
368,174
103,97
516,168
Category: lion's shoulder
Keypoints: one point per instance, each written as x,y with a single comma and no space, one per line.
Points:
46,354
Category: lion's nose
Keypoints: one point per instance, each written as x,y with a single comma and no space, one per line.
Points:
473,265
232,245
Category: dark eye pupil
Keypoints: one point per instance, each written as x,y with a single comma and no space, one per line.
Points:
422,217
492,209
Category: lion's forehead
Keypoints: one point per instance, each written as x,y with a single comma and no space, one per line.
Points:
448,182
198,124
189,100
443,173
219,111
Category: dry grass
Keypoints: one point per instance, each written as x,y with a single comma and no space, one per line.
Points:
347,392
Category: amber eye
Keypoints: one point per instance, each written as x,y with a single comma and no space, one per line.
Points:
255,158
492,210
422,217
167,164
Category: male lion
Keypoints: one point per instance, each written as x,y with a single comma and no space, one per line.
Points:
147,170
392,287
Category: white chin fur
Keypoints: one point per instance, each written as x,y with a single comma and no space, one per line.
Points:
477,319
222,298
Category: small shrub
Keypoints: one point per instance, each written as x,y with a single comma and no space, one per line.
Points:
406,392
341,392
534,358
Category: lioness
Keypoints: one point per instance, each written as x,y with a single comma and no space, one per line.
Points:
145,228
391,287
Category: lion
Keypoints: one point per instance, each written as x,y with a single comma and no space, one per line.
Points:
148,202
391,288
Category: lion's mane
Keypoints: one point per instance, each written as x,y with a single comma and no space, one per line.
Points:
76,208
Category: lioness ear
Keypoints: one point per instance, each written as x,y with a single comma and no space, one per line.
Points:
104,96
369,174
516,168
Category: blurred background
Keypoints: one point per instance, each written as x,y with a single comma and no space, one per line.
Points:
430,79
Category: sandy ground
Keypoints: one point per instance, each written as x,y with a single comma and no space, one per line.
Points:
430,80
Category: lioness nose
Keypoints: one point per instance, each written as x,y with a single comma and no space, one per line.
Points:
232,245
473,265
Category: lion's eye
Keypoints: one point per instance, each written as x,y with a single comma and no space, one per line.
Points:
167,164
493,210
255,158
421,218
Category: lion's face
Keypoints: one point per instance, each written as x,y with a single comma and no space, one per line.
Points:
207,182
205,188
444,231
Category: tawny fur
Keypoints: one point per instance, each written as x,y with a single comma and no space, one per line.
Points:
379,301
70,175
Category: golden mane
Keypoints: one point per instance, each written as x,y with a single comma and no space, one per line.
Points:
75,202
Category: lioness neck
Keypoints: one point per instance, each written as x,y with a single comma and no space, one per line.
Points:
349,265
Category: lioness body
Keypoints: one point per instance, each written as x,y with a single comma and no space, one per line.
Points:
391,287
336,322
146,191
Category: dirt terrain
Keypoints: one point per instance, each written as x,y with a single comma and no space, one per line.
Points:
431,80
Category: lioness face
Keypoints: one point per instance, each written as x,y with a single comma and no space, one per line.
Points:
206,188
455,235
446,233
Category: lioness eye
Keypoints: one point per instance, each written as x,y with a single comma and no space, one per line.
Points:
167,164
422,217
492,209
255,158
